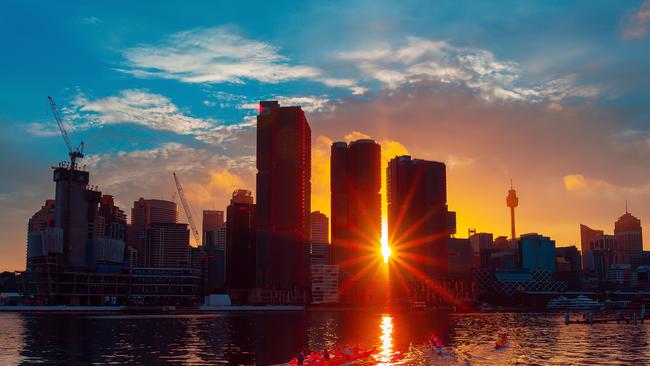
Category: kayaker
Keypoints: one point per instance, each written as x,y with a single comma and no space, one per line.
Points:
301,358
326,354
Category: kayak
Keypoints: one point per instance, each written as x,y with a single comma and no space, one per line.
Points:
337,359
500,343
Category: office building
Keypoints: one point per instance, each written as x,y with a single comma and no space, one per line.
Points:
356,215
212,220
417,214
480,243
215,251
144,213
319,248
460,257
283,202
536,253
240,241
629,236
325,284
44,240
168,244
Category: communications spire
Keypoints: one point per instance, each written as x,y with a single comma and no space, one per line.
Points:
512,201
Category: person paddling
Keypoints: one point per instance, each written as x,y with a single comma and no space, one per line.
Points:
301,358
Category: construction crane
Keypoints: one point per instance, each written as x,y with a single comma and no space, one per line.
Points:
188,210
75,153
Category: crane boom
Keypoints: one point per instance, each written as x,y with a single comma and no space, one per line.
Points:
59,122
75,154
186,207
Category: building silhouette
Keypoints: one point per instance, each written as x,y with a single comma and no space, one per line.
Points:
319,247
144,213
283,202
212,220
418,215
169,245
629,235
356,214
44,240
240,241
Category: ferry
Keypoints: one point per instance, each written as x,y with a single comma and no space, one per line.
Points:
579,303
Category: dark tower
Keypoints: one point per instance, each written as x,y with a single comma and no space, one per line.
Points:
240,241
418,215
283,201
512,201
356,214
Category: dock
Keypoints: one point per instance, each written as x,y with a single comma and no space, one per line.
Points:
618,318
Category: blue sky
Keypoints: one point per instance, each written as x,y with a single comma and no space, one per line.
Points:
154,87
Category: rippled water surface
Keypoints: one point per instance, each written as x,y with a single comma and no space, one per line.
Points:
268,338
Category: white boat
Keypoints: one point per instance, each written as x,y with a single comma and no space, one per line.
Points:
486,308
579,303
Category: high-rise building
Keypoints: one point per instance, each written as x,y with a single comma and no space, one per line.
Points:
536,252
215,250
586,234
212,220
44,239
319,248
482,245
629,235
283,201
356,214
460,256
240,241
325,283
144,213
319,227
417,215
75,214
169,245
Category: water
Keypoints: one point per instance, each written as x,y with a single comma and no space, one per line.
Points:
264,338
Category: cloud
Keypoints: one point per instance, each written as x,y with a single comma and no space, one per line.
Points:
218,55
432,60
208,177
91,20
635,25
138,107
309,104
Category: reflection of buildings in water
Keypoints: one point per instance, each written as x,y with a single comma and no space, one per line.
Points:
322,332
386,340
13,342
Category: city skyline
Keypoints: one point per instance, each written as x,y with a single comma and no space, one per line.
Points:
575,144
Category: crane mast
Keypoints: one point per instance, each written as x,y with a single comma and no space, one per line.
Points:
188,211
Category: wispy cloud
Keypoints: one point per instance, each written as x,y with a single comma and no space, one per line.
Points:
308,103
635,24
138,107
219,55
477,69
90,20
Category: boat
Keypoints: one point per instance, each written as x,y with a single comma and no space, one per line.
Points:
336,359
579,303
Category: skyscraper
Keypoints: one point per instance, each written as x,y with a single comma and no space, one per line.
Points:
356,214
240,241
319,247
212,220
417,215
144,213
586,234
629,235
283,200
169,244
76,206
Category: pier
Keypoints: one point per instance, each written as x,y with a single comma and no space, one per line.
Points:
626,317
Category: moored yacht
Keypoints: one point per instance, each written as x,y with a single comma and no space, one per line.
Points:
579,303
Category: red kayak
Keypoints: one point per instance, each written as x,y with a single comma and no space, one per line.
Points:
501,341
337,359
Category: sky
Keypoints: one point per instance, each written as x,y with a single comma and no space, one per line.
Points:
554,95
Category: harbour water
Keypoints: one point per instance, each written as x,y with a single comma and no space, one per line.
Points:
270,338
